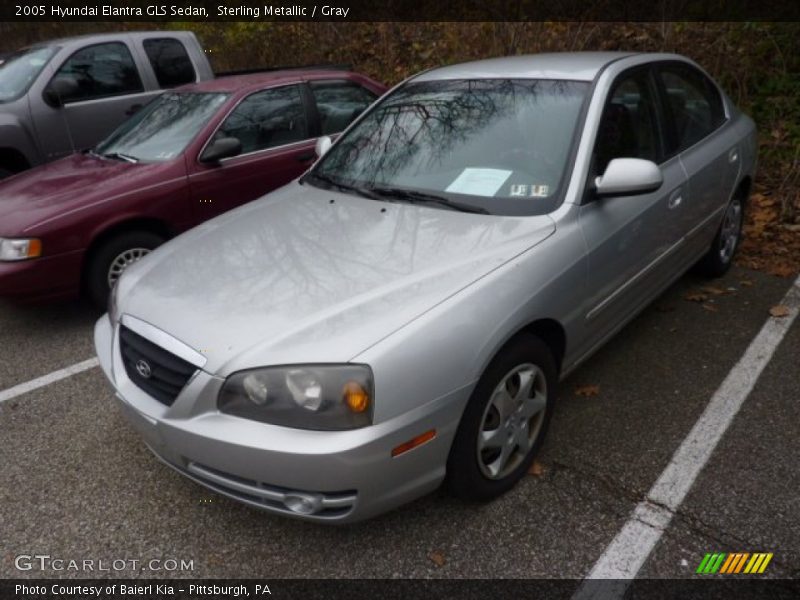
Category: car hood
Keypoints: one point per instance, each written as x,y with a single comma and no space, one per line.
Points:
306,275
46,192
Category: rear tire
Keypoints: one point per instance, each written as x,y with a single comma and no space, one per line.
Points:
719,257
111,259
505,421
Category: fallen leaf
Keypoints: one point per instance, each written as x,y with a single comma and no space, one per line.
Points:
536,469
710,307
587,390
782,270
437,558
746,283
695,297
779,311
715,291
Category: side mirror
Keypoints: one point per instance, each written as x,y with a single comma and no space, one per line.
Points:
323,145
629,177
224,147
60,89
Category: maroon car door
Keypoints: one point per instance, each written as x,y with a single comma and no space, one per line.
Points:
276,135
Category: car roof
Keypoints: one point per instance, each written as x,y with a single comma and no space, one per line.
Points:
100,37
580,66
249,81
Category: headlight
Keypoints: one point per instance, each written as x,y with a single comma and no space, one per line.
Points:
20,249
322,397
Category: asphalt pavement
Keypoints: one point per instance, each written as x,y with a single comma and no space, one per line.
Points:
77,483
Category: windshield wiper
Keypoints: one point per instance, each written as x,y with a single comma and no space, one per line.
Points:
121,156
341,186
425,198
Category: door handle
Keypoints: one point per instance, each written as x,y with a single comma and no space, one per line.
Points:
306,156
733,155
133,109
675,200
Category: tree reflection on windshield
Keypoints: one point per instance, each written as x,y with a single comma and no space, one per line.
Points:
501,144
162,129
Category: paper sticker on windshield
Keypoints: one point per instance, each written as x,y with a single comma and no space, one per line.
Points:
540,191
523,190
479,182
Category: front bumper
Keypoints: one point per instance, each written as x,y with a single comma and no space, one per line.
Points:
39,279
343,476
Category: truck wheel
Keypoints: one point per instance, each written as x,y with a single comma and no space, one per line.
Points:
111,259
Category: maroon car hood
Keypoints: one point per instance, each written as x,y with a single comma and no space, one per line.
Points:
43,193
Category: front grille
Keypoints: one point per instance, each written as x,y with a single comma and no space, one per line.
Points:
168,374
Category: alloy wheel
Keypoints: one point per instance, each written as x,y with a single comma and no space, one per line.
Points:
731,230
512,420
123,261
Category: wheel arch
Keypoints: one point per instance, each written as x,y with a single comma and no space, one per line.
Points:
111,230
549,330
743,189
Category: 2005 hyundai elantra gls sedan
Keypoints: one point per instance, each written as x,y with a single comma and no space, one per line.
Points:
401,315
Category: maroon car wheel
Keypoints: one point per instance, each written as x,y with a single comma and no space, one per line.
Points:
111,259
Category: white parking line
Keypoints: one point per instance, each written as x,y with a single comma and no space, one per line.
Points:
33,384
628,551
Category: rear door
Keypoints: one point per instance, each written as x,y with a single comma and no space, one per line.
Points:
277,132
696,125
631,241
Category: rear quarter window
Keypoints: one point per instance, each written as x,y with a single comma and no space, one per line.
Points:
170,61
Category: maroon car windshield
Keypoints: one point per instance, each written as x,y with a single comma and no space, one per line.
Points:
162,129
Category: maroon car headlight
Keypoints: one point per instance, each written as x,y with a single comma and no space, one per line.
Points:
320,397
20,249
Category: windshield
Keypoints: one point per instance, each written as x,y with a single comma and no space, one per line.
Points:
501,145
162,129
20,70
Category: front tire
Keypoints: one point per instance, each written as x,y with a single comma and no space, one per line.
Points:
111,259
505,421
719,257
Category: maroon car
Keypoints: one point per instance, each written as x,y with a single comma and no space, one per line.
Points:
74,225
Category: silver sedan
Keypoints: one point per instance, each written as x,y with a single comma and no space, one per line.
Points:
400,316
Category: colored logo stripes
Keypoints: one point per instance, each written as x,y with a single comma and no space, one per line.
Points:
734,563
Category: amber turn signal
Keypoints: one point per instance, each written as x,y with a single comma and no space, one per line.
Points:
355,397
34,248
414,442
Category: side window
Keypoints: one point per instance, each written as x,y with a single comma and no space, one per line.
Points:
274,117
170,62
99,71
628,128
339,103
693,105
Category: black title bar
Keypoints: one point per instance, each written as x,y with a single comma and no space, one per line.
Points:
730,588
401,10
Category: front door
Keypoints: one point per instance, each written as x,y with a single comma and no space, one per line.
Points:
273,128
632,241
109,90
